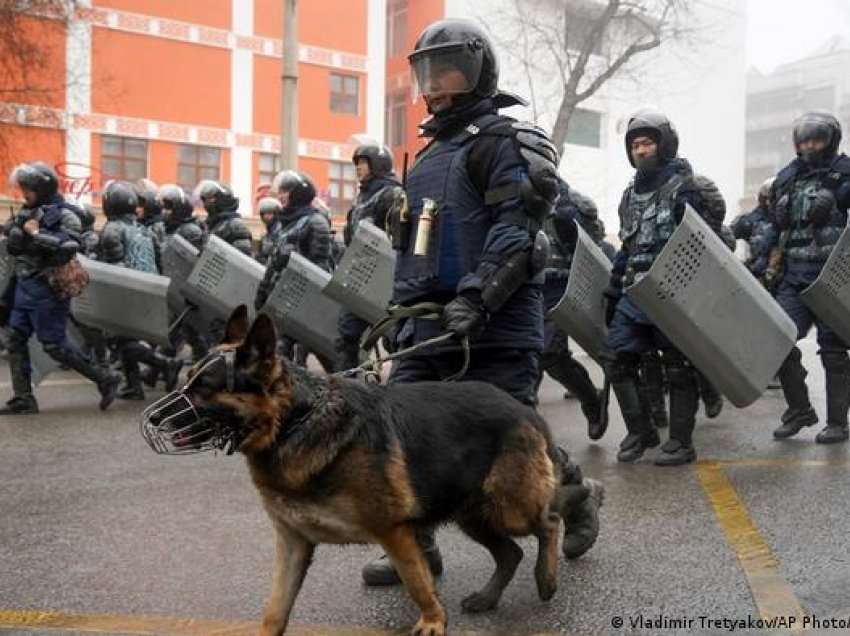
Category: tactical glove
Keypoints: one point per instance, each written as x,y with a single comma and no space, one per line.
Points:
465,316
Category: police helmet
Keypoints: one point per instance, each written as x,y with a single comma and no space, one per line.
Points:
37,177
657,127
268,205
216,196
457,44
298,184
818,125
380,158
119,198
175,201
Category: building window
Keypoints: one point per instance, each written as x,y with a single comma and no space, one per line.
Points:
195,163
345,93
585,128
123,158
269,167
342,185
396,119
396,27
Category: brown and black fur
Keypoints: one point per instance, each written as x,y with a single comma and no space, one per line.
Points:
341,461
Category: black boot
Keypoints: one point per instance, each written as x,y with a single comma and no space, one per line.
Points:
651,388
684,402
132,389
168,367
107,382
23,401
641,431
575,378
381,571
837,367
800,413
711,398
581,523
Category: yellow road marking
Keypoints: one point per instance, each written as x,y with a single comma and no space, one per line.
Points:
772,594
167,626
769,462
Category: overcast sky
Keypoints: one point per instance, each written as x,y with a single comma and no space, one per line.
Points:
780,31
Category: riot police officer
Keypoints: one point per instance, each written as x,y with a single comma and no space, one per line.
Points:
127,243
152,218
572,209
809,202
223,217
651,207
757,229
44,235
477,196
177,213
380,190
269,210
305,230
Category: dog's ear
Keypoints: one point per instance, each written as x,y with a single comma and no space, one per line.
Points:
262,339
237,326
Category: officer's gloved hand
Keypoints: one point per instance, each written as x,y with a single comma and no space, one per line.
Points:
612,297
465,316
782,212
823,203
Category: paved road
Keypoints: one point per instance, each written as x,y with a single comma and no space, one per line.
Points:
98,534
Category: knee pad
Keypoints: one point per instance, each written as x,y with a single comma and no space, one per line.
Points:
679,370
54,350
17,340
622,366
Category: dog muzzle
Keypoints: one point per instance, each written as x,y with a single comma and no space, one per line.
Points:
173,425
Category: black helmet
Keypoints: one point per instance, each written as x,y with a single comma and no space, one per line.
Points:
656,126
380,158
38,177
216,196
119,198
299,186
459,44
817,125
269,205
174,200
146,191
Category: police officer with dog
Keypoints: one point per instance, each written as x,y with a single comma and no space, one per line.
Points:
651,207
809,201
380,191
469,240
44,238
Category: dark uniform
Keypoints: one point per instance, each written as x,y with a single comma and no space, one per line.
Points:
809,200
650,209
572,209
269,210
758,230
379,192
152,218
38,307
303,229
469,238
223,218
126,243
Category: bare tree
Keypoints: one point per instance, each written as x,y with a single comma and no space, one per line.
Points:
579,45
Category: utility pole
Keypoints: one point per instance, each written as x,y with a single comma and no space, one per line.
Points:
289,77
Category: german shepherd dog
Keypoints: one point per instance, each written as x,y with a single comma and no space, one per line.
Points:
341,461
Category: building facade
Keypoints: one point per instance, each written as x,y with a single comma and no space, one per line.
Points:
817,82
182,91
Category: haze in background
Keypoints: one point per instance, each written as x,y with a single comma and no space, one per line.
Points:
780,31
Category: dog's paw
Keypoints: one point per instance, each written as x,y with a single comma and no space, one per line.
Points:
428,628
479,602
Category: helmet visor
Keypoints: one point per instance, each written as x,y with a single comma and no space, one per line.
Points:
812,130
207,189
453,70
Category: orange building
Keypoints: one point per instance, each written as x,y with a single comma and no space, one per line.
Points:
181,90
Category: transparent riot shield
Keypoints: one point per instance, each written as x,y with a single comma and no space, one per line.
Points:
221,280
178,259
581,310
124,302
715,312
300,309
363,280
829,296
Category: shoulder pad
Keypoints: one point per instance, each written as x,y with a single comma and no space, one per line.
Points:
711,196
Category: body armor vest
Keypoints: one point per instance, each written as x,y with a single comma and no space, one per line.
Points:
647,222
805,241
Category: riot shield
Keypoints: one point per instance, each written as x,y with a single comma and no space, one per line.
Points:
829,296
707,303
41,364
581,310
124,302
300,309
363,280
178,259
221,280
